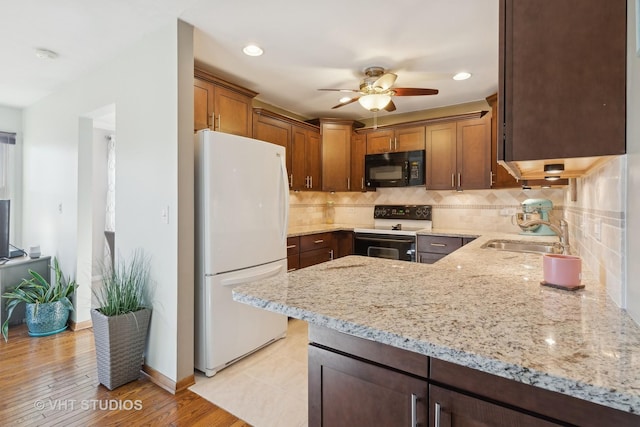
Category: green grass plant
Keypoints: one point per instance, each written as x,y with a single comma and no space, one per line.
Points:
124,286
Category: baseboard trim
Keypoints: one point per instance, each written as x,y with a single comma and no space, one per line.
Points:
166,383
80,325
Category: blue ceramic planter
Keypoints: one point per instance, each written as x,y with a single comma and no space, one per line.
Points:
50,318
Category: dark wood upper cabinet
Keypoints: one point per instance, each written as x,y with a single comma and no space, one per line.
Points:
562,79
500,177
395,139
221,106
306,152
459,154
276,131
358,151
302,142
336,154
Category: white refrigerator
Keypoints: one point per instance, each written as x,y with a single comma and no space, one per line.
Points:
242,206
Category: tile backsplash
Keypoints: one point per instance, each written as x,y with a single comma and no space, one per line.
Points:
482,210
597,224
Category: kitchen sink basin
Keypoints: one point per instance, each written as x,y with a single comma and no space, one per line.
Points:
520,246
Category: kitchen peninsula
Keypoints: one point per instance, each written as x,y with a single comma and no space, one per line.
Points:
477,331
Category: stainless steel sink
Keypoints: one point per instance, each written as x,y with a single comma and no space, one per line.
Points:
520,246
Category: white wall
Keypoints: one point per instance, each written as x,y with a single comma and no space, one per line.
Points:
633,165
99,196
147,83
11,121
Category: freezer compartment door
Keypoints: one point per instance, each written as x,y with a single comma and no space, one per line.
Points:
227,330
244,202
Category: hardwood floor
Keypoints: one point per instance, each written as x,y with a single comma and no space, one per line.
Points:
52,380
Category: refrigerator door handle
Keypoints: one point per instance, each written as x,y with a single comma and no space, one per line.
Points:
284,205
251,277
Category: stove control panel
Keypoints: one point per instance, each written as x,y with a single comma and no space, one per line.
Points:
419,212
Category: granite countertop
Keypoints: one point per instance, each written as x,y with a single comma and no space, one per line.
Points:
303,230
480,308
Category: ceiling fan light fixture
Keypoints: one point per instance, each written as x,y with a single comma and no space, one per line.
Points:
252,50
374,102
462,76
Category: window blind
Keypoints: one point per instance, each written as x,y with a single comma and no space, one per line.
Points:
7,137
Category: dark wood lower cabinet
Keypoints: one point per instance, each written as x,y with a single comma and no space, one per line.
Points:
315,256
358,382
453,409
344,391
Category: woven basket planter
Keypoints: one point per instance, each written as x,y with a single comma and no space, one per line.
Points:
120,342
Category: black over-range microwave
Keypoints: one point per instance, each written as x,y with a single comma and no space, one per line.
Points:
402,169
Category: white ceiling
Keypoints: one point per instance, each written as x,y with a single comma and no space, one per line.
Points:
308,45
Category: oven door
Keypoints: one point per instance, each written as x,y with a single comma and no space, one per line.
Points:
388,246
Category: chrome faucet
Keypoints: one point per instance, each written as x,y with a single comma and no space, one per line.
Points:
562,231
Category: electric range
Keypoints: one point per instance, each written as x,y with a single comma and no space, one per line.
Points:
394,232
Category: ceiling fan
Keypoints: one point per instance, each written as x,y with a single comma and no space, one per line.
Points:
376,91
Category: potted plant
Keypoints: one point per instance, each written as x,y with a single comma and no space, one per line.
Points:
47,304
121,321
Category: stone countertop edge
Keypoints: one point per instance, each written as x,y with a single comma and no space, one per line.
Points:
600,364
304,230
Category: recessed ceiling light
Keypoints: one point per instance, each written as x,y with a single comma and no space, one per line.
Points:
345,99
554,168
45,54
252,50
552,178
462,76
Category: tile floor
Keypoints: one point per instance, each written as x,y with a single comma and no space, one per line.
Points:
268,388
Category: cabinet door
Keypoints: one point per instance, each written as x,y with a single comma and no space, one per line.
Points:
232,112
336,157
276,132
298,175
452,409
474,153
358,151
293,253
562,78
313,160
441,156
500,178
349,392
343,243
409,139
439,244
203,93
316,256
380,141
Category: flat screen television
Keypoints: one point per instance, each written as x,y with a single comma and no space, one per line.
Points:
4,228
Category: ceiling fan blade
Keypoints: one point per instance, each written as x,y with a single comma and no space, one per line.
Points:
342,104
341,90
385,81
411,91
390,107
